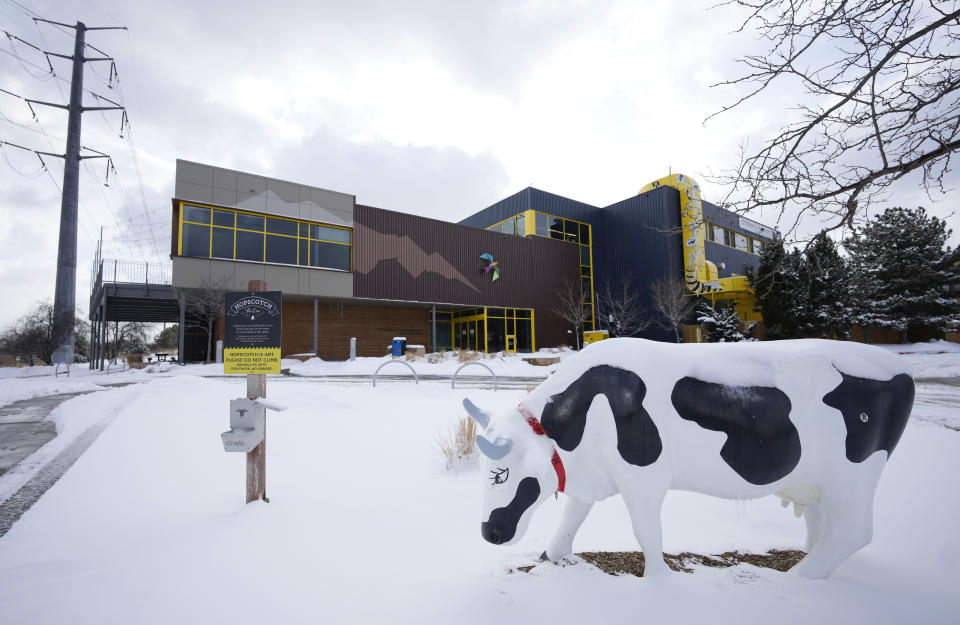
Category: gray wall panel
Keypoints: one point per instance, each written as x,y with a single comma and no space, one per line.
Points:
224,187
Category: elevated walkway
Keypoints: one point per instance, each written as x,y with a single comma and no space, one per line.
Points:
129,291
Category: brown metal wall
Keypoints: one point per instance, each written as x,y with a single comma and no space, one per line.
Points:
404,257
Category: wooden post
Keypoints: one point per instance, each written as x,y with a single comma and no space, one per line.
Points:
257,459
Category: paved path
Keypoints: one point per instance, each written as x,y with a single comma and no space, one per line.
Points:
23,430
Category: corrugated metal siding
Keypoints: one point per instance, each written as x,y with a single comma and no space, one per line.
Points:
640,241
534,199
507,207
409,258
729,261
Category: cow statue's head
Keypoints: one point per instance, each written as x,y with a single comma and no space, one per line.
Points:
519,470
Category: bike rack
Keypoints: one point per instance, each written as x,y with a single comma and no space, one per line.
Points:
395,362
453,382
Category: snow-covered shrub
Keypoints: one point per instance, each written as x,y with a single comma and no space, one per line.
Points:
465,355
721,324
459,446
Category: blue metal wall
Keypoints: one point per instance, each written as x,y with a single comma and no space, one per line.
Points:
640,241
534,199
729,260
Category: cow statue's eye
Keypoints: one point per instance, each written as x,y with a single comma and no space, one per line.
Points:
499,475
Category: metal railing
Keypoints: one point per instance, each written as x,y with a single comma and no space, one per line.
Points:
134,272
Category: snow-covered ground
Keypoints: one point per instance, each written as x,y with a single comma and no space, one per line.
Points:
364,525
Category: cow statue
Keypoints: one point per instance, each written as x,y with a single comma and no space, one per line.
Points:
812,421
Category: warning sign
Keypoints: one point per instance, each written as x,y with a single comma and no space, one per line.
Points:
252,332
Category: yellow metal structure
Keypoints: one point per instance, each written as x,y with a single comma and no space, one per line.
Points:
594,336
699,274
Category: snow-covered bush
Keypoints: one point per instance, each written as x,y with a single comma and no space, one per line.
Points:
459,446
721,324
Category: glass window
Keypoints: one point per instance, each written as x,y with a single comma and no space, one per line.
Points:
496,336
741,242
523,314
222,242
521,227
324,233
302,259
556,228
281,250
524,336
542,227
281,226
250,222
196,214
304,230
223,218
196,240
444,335
249,245
719,235
329,255
584,255
584,271
571,230
584,234
496,312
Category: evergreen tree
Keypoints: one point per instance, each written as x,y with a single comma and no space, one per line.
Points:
903,271
721,323
778,290
826,306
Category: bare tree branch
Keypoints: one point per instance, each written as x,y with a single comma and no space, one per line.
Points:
879,85
673,301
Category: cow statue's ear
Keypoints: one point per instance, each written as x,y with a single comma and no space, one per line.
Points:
496,449
482,418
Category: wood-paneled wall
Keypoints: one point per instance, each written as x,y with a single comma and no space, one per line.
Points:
373,327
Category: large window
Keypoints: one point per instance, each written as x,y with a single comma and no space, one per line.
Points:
488,329
730,238
210,232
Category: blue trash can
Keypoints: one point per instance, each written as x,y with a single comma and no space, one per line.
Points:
399,346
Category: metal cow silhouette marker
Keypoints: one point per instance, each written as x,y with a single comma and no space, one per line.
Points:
812,421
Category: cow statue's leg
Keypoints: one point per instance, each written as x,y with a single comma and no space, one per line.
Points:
644,499
813,518
846,523
574,513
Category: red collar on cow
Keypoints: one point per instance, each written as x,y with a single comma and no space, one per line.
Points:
556,461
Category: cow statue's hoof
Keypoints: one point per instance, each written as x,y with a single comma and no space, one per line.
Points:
543,557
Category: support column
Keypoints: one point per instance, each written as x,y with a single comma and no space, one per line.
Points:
433,328
316,325
103,329
182,301
92,348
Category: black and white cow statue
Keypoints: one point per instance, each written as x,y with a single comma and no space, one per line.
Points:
811,421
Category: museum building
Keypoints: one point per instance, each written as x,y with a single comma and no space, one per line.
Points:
489,283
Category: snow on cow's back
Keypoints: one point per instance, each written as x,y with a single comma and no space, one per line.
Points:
745,363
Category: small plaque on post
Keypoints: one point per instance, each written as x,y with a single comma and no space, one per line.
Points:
252,330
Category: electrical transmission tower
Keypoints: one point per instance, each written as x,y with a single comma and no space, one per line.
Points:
65,294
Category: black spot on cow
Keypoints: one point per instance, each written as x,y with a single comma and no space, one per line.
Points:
565,416
501,527
874,411
762,443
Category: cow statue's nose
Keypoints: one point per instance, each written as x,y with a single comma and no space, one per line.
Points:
491,533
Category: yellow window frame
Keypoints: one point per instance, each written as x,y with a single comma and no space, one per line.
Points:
265,216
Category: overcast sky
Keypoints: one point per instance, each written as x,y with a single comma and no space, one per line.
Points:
437,108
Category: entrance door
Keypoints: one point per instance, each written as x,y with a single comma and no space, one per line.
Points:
511,344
